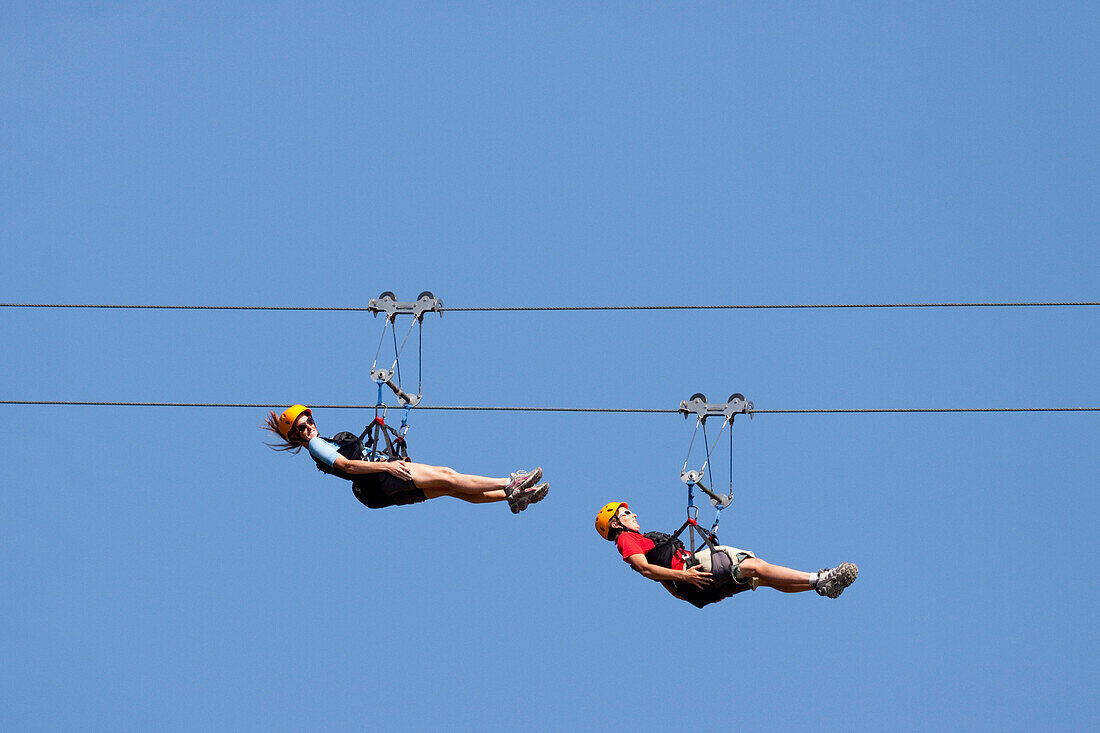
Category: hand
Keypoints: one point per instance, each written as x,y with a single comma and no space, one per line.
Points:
696,576
398,469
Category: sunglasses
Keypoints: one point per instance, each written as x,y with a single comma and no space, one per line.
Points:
302,427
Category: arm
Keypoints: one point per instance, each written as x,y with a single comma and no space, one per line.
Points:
396,468
325,452
696,576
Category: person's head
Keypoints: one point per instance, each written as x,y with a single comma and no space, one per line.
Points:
295,426
615,518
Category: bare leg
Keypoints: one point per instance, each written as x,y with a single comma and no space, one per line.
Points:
775,576
783,587
442,481
486,498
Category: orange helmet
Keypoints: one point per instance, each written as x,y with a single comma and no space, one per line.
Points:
605,515
289,417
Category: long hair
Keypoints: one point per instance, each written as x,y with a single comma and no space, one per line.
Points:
282,444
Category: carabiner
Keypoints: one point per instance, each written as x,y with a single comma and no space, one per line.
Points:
717,516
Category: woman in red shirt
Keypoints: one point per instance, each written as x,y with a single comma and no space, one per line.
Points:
617,523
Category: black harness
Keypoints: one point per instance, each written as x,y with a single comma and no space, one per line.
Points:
722,584
377,442
348,445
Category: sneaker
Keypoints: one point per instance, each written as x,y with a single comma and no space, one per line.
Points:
831,582
523,480
537,493
520,500
518,487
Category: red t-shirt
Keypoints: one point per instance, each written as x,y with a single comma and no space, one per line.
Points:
632,543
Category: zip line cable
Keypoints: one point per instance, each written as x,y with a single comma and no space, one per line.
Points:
487,408
563,308
603,410
788,306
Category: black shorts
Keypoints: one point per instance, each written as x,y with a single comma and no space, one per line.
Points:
380,490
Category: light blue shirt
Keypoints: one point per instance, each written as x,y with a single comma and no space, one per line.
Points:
323,451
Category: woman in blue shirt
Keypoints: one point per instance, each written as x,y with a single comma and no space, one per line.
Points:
379,484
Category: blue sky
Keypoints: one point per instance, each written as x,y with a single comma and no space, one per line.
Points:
162,569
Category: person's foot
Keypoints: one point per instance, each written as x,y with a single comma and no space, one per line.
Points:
520,500
518,490
537,493
831,582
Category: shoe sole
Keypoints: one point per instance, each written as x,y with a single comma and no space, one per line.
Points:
532,496
846,574
538,493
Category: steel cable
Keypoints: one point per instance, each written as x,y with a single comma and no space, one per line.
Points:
514,408
564,308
